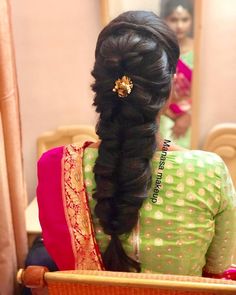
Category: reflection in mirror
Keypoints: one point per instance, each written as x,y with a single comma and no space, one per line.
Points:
176,119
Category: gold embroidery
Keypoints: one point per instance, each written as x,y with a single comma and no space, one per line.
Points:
86,251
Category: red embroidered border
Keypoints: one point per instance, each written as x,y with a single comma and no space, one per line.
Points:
77,211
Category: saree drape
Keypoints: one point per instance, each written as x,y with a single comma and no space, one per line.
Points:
64,209
13,238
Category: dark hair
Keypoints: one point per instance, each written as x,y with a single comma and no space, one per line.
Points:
140,45
169,6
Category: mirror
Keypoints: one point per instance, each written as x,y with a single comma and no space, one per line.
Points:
179,119
54,60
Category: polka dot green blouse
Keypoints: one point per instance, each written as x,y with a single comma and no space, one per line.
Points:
188,220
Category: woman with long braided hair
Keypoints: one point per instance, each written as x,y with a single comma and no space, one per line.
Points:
133,202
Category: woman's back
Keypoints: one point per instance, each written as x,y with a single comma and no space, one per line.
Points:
177,221
173,222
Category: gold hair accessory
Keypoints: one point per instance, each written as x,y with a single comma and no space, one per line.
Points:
123,86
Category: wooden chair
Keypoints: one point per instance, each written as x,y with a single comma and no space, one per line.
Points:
222,141
118,283
65,135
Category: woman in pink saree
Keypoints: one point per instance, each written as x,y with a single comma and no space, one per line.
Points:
176,120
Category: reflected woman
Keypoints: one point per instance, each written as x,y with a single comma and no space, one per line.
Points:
177,115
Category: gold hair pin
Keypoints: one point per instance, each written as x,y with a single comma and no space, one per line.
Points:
123,86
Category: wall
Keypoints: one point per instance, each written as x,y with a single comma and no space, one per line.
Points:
218,65
55,43
116,7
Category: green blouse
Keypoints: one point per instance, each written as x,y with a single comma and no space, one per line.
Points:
188,58
188,220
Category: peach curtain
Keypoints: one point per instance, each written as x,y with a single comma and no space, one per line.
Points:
13,238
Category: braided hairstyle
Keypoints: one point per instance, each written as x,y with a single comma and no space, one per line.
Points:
140,45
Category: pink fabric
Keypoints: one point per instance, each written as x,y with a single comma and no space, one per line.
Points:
51,211
184,69
176,108
229,274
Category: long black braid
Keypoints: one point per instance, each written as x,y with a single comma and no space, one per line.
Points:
139,45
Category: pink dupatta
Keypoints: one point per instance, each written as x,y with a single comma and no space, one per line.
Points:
64,212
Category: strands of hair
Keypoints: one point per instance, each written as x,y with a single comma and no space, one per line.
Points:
140,45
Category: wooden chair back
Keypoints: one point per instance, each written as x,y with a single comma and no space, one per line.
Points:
64,135
118,283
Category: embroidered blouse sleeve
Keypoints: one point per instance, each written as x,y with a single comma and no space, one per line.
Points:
222,248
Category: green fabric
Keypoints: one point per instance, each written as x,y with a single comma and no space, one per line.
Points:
188,58
166,125
192,223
